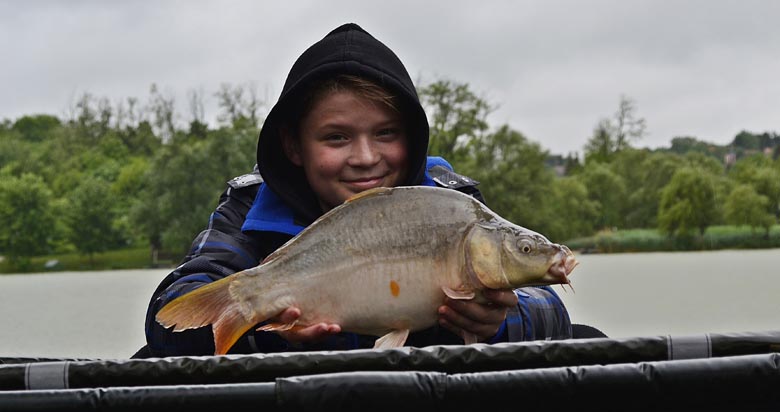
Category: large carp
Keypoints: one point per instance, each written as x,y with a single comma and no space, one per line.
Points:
379,264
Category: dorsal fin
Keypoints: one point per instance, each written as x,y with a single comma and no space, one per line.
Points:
369,193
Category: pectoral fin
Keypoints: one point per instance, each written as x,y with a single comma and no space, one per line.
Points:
460,294
469,338
369,193
394,339
277,327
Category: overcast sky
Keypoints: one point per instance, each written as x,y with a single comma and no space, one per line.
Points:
706,68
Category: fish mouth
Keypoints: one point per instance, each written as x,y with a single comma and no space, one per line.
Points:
565,262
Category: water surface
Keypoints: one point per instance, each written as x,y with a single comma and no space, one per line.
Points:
101,314
682,293
75,314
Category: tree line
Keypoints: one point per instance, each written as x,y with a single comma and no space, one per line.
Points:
115,175
680,190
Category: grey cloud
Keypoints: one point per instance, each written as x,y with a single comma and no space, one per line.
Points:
554,68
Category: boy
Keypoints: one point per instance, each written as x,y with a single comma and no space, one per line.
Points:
348,119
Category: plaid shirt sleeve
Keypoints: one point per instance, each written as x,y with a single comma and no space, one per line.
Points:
539,315
218,251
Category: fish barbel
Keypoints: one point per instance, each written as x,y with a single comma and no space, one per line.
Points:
379,264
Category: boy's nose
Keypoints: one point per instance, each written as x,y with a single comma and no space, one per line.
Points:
363,152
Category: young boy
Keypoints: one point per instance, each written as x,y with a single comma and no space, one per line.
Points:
348,119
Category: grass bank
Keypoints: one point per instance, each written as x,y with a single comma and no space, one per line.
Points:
135,258
650,240
618,241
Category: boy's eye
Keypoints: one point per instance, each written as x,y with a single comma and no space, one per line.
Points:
387,132
336,137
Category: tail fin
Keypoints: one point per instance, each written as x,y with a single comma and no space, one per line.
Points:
213,305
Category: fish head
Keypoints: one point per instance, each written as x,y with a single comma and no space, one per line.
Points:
502,255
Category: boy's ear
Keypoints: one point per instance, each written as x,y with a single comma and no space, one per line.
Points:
290,146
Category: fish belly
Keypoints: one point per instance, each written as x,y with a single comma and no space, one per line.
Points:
376,299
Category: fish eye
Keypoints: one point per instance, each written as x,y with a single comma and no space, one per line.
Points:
524,245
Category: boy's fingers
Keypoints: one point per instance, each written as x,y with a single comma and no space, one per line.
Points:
311,333
289,315
480,319
457,321
501,297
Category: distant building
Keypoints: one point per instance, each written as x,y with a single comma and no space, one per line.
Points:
729,159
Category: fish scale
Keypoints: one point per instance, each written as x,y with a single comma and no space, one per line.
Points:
379,264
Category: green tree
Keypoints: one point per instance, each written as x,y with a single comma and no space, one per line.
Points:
684,145
516,182
572,164
162,113
240,106
627,127
456,115
90,118
170,192
13,152
687,203
627,164
615,135
26,220
653,173
716,169
759,172
702,161
608,190
140,140
36,128
601,147
183,183
127,188
747,140
571,213
744,206
89,214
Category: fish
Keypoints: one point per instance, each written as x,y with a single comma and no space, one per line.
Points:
379,264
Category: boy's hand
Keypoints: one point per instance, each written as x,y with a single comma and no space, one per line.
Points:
308,334
480,319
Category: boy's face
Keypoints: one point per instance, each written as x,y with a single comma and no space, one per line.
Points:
347,144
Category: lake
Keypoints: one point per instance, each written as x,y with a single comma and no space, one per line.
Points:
101,314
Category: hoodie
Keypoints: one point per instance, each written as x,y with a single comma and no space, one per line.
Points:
346,50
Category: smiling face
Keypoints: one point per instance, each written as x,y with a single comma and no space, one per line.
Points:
346,144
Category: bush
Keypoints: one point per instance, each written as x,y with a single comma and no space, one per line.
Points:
650,240
136,258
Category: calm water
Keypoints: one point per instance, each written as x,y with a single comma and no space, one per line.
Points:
677,293
101,314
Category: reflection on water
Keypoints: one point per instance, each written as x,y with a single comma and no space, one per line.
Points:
101,314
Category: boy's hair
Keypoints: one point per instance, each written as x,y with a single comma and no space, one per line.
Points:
362,87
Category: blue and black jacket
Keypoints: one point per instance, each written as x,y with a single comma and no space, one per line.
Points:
251,221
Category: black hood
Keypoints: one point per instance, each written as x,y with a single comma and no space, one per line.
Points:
346,50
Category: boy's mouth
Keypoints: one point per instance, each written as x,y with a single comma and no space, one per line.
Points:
364,183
